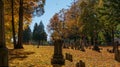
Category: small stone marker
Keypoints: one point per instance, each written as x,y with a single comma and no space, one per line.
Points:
80,64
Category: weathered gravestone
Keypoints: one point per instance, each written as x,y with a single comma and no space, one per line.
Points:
117,52
58,56
96,48
117,56
115,46
69,57
80,64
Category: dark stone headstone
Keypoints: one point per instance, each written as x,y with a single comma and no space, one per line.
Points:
57,56
117,52
80,64
66,56
77,64
117,56
96,48
69,57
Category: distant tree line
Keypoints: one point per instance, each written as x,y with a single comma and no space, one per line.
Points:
38,36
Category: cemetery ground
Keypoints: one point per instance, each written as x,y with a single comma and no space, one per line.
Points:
31,56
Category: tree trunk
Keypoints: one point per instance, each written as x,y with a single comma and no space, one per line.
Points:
92,40
2,32
3,49
13,25
95,46
20,29
114,46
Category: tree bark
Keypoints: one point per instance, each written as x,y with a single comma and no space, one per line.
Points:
3,49
114,46
92,40
13,25
2,32
20,29
95,46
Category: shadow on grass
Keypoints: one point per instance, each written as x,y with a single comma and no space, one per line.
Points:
18,54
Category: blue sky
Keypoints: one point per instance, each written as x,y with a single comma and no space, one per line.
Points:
51,7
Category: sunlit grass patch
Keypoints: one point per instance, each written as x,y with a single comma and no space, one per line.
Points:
41,57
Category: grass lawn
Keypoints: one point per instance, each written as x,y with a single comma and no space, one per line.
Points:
31,56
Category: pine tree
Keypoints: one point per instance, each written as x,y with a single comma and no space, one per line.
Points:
39,34
27,35
34,35
42,36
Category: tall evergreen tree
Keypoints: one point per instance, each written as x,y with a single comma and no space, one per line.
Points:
39,33
34,34
27,35
42,36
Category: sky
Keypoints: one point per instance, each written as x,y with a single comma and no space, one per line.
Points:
51,7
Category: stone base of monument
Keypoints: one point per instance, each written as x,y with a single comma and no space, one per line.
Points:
3,57
58,59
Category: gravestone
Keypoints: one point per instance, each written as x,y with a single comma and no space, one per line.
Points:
96,48
58,56
117,52
69,57
117,56
80,64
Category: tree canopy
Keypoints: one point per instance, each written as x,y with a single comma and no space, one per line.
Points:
88,19
39,33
